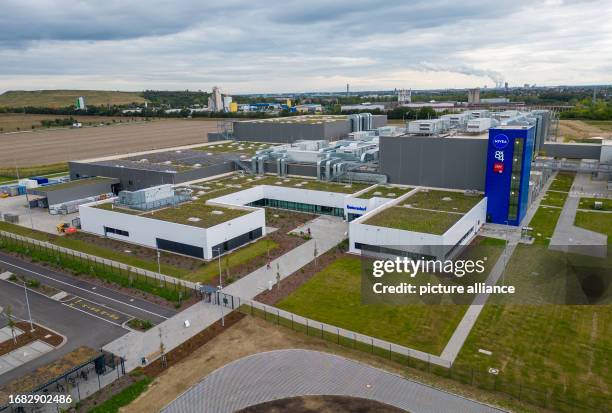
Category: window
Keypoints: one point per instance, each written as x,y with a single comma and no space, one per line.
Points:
109,230
515,180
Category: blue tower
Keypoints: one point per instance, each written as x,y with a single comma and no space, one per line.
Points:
509,156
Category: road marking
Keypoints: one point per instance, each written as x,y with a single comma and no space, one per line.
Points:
93,315
75,298
84,289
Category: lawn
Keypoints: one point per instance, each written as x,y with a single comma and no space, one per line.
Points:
417,220
443,201
124,397
560,349
313,184
209,273
543,223
334,296
553,198
589,203
600,222
205,273
563,181
208,215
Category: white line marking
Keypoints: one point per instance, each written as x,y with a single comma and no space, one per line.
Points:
84,289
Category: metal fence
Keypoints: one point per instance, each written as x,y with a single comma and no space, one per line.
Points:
559,399
79,383
109,270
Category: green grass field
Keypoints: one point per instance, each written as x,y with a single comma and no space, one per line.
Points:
10,173
563,350
553,198
412,219
563,181
443,201
543,223
334,296
589,203
206,273
62,98
595,221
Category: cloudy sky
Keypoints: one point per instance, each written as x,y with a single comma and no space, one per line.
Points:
316,45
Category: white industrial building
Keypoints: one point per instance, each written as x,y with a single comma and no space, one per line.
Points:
396,241
138,225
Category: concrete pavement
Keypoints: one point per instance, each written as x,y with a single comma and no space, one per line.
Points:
281,374
327,232
567,235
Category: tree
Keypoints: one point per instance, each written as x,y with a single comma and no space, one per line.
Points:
11,322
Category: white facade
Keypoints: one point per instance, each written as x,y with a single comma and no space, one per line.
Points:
461,233
479,125
145,230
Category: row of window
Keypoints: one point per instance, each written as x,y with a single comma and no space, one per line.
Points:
515,179
109,230
300,207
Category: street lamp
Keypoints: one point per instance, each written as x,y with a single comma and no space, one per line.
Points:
25,289
218,249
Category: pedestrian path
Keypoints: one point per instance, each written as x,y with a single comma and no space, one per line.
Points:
326,232
566,234
282,374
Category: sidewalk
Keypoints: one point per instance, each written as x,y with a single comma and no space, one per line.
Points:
327,232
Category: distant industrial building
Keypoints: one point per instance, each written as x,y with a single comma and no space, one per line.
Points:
317,127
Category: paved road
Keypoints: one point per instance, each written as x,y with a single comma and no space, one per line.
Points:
566,234
280,374
80,329
100,296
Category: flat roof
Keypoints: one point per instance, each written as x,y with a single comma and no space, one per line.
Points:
76,183
412,219
429,211
386,191
302,119
448,201
216,188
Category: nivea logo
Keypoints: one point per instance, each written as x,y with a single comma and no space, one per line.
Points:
500,141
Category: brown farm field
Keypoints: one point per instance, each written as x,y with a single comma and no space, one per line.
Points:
61,145
578,130
63,98
12,122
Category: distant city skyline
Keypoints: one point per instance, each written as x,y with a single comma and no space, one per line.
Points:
290,46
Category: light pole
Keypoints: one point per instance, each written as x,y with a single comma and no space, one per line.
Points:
159,268
218,249
25,289
26,195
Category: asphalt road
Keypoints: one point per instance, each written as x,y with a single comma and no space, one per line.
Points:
105,297
89,315
80,329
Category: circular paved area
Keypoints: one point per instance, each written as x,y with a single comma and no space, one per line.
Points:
281,374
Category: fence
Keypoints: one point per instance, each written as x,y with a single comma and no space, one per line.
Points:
79,382
124,275
552,398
